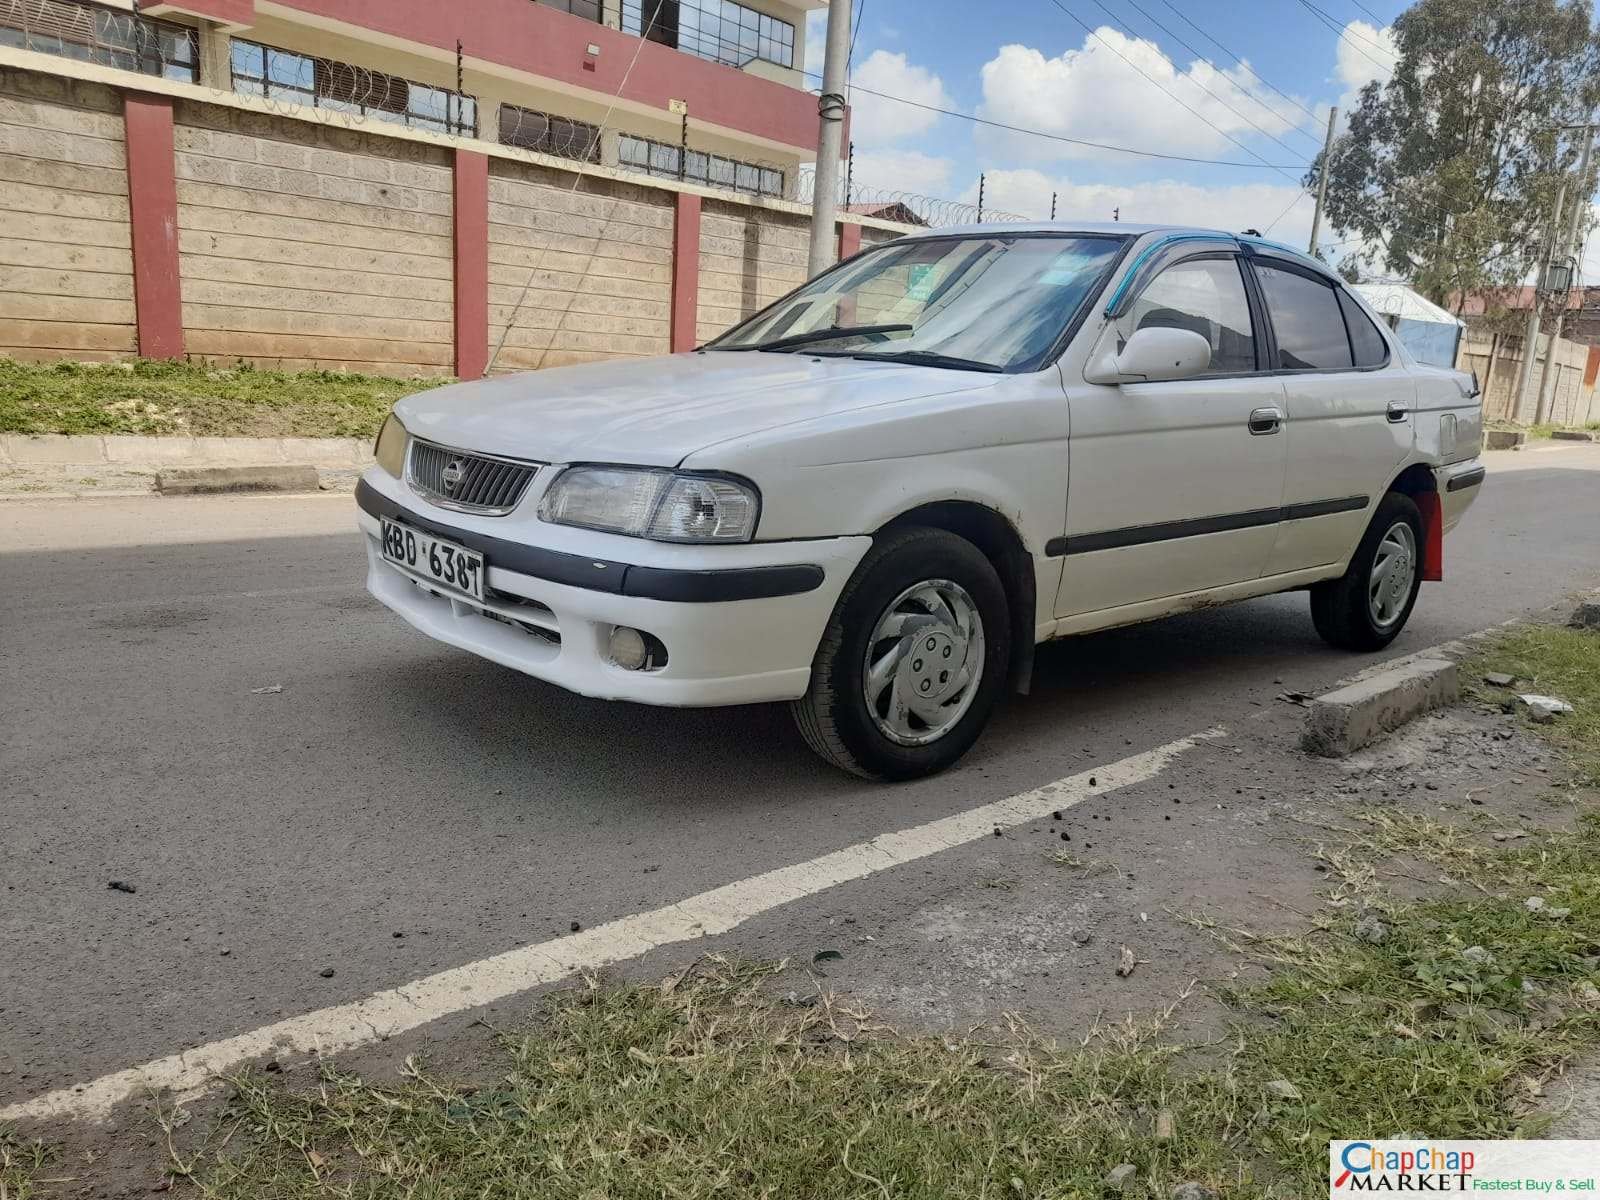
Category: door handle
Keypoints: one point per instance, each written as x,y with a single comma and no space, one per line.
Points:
1398,412
1266,420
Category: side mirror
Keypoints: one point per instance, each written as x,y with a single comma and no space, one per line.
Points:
1152,355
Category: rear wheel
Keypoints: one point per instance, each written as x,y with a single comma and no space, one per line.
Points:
912,661
1368,606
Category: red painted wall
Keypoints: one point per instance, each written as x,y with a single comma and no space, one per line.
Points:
538,39
685,272
153,215
471,223
224,12
849,239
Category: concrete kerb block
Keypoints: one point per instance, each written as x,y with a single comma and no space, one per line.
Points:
1572,435
1504,439
327,452
53,450
1360,713
1587,615
241,450
133,450
200,481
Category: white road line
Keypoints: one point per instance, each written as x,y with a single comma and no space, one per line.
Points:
394,1011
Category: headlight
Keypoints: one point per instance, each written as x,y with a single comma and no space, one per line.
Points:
660,505
390,448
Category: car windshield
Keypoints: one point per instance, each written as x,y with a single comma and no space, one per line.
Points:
991,303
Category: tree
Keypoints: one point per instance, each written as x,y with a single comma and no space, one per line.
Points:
1449,169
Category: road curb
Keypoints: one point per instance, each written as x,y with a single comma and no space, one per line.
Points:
1358,714
128,450
1572,435
202,481
1504,439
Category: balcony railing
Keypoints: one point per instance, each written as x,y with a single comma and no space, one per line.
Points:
325,83
109,37
696,166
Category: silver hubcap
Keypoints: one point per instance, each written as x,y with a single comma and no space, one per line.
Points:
1393,570
924,662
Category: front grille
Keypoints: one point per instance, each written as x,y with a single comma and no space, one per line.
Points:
469,482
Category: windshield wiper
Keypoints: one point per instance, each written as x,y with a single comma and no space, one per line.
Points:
820,335
927,358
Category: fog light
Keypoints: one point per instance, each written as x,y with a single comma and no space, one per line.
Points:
628,649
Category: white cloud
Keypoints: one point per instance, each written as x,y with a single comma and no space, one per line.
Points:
1364,53
1096,92
878,173
875,120
816,42
1231,207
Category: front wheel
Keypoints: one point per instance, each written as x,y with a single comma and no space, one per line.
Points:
912,661
1367,607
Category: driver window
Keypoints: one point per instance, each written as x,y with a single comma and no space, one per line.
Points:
1204,296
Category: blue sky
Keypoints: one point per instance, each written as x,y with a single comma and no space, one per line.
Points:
1028,63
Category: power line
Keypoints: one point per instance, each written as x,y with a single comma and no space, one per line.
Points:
1101,5
1059,137
1333,23
1381,22
1265,107
1087,28
1299,197
1236,58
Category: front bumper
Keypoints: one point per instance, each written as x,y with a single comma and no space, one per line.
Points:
740,623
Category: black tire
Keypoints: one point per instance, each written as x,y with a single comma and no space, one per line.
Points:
1340,608
833,716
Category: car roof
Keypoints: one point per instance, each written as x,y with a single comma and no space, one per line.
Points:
1128,229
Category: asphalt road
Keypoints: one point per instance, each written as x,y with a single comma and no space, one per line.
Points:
400,807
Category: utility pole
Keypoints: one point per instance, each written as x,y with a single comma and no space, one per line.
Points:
830,135
1322,180
1530,335
1571,245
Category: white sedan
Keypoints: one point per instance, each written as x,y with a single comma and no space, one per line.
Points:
875,497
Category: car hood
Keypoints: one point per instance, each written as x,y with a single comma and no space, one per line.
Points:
658,411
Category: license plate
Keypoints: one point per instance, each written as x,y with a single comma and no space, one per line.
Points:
445,563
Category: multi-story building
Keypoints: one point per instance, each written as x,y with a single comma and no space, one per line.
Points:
405,186
625,83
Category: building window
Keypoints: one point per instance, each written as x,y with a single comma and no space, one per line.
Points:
669,162
719,30
561,136
110,37
322,83
589,10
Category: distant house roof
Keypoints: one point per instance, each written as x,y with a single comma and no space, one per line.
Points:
1397,300
895,210
1511,299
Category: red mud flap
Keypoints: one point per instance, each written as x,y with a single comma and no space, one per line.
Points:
1432,536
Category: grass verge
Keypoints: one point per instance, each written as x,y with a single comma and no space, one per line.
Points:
1440,1018
1447,1025
146,397
20,1164
1551,660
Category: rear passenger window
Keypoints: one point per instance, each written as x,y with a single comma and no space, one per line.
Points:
1365,340
1306,317
1204,296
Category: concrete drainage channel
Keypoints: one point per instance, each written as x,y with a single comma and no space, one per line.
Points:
209,481
51,464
